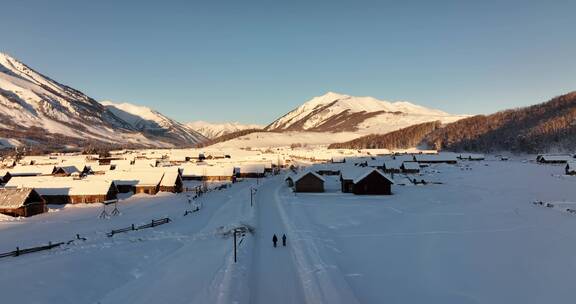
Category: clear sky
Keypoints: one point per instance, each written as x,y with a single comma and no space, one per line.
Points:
251,61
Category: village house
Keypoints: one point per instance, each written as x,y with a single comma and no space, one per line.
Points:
67,190
553,159
251,170
570,168
410,167
308,181
136,181
21,202
171,182
392,166
372,182
67,171
471,156
447,158
207,172
347,176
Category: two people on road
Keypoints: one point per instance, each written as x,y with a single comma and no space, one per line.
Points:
275,240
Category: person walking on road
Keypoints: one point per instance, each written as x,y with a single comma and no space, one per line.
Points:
274,240
284,240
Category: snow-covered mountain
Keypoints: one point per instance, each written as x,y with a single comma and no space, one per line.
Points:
151,121
334,112
37,109
213,130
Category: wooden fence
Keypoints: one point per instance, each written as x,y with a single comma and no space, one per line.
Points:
133,227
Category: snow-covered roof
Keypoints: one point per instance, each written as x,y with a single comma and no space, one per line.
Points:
442,157
49,185
170,178
351,172
193,170
31,170
252,168
472,156
411,165
69,169
368,172
141,177
305,173
557,158
392,164
14,198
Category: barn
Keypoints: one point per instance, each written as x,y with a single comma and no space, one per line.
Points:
372,182
21,202
308,181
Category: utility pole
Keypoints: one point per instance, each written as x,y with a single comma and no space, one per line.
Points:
252,192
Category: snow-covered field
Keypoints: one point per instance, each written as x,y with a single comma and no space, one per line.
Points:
474,237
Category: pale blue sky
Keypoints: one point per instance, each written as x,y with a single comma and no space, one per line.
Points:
252,61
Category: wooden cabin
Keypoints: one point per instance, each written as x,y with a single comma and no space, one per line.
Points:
447,158
373,182
570,168
392,166
172,182
309,182
207,173
66,171
67,190
255,170
553,159
21,202
410,167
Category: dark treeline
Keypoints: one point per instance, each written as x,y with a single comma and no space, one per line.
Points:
401,139
545,127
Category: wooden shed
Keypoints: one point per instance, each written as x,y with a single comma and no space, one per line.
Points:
21,202
309,182
373,182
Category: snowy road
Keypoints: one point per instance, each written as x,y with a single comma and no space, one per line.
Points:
275,279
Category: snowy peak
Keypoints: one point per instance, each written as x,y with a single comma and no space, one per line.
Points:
147,120
335,112
37,110
213,130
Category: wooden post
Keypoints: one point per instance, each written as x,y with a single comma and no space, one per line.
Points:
133,227
235,257
17,251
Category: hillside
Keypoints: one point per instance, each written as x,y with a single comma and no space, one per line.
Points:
36,110
544,127
154,123
401,139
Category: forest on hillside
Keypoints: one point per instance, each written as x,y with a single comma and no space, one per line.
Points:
545,127
401,139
